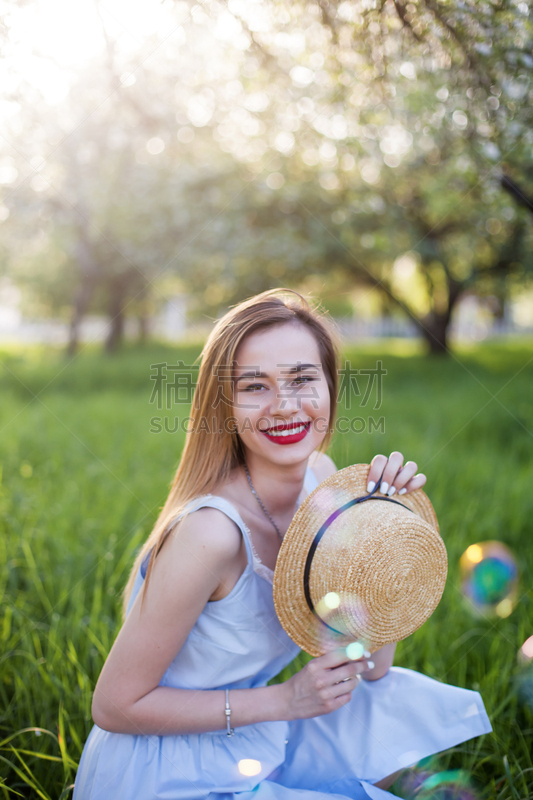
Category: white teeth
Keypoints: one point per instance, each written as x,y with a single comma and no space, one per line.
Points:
299,429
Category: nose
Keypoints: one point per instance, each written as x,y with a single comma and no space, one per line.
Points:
286,400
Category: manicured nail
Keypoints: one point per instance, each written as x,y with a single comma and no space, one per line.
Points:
370,664
370,486
383,488
367,654
402,491
391,491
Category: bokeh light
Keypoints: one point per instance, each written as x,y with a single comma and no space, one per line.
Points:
355,650
524,685
524,678
249,766
332,600
426,784
337,609
489,578
525,654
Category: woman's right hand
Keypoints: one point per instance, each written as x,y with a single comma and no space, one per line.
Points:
324,684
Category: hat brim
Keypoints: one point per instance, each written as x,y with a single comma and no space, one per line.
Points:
297,619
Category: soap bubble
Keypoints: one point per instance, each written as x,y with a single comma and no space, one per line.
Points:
340,610
524,678
525,654
454,784
355,650
524,683
489,576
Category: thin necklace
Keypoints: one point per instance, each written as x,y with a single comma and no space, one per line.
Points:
260,503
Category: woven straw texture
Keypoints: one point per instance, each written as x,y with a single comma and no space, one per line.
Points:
378,572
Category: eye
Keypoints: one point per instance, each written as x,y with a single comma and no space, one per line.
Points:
305,378
252,386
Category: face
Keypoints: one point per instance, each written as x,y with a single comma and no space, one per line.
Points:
280,384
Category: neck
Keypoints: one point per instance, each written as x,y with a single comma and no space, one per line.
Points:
278,485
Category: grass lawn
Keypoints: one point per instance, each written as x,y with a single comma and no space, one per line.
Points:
82,478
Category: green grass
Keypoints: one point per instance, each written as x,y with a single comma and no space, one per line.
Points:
82,480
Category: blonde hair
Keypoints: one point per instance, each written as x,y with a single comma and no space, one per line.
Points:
211,452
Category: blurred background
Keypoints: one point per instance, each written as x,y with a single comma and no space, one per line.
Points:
161,161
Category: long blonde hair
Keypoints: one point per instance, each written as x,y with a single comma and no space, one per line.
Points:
212,450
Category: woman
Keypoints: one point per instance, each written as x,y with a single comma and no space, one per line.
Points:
199,613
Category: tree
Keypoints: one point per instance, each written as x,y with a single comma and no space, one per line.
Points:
292,139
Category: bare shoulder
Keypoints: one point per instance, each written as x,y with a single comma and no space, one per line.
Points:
322,465
207,530
195,554
191,565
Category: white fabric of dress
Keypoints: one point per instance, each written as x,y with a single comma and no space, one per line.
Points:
238,642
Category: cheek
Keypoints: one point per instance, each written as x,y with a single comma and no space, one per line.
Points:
248,407
321,400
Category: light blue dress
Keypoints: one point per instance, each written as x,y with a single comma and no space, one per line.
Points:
238,642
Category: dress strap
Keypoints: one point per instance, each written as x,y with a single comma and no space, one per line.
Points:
215,501
212,501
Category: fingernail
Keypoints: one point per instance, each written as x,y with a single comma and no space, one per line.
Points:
391,491
370,664
383,488
370,486
367,654
402,491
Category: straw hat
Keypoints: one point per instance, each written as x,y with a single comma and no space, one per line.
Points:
352,568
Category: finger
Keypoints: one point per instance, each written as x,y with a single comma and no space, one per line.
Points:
348,683
334,658
415,483
350,670
377,465
393,465
355,651
338,693
402,478
344,687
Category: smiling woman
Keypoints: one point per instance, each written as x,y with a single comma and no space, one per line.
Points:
290,406
182,707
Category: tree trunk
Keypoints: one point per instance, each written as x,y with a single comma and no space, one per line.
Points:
437,324
143,329
81,304
435,333
118,291
116,332
143,318
88,267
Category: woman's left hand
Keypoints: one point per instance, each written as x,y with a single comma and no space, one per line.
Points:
396,478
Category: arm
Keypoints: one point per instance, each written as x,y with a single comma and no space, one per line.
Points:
383,659
187,571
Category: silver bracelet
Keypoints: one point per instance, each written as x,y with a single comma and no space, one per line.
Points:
228,715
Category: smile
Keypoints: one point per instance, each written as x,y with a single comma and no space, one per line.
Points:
288,434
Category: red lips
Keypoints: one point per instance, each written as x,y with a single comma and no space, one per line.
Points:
285,427
290,438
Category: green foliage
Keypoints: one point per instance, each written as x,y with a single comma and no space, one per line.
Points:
82,479
316,137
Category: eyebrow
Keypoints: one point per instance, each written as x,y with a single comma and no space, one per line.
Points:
291,370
